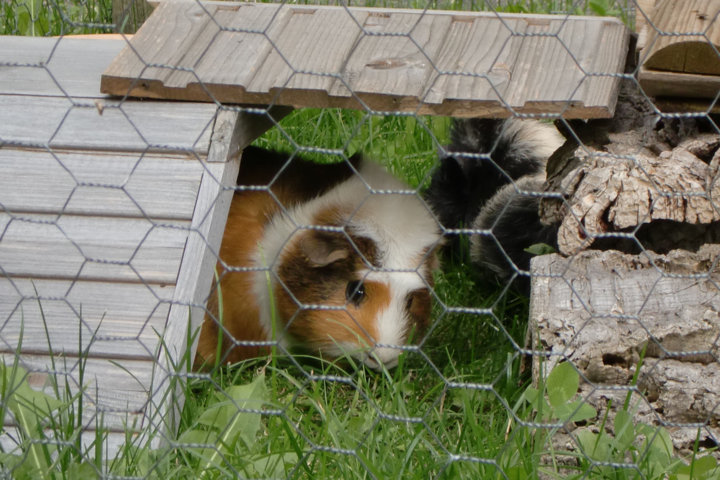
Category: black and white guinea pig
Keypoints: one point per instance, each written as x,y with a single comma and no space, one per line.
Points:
489,181
340,255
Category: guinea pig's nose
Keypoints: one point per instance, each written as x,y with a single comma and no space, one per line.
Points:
382,357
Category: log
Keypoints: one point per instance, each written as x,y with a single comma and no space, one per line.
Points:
614,189
602,309
683,37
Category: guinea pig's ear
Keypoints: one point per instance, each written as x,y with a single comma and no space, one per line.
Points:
324,248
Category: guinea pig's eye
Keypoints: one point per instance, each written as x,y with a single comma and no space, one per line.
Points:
355,292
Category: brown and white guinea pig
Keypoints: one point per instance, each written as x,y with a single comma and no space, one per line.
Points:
341,255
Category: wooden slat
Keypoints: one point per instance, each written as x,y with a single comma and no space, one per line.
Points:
396,58
236,20
128,126
55,66
168,47
308,63
573,79
384,59
684,37
462,67
198,264
684,85
99,183
115,389
91,248
114,441
125,316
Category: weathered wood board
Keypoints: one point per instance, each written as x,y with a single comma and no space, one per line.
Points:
120,398
117,320
683,37
77,123
108,183
110,211
603,310
680,85
679,52
92,247
38,66
429,62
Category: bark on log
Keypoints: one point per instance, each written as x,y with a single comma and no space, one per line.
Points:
601,309
612,190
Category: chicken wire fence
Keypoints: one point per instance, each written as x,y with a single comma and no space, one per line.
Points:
609,371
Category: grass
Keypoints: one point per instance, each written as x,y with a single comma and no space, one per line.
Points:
448,400
55,17
444,412
71,17
327,420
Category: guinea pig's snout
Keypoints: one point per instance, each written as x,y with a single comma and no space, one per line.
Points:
380,357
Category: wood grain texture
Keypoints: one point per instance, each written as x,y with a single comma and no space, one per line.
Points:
103,204
679,85
100,394
51,66
156,186
86,124
684,37
121,316
606,312
197,269
644,12
91,248
430,62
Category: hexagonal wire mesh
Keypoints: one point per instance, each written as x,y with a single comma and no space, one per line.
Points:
384,363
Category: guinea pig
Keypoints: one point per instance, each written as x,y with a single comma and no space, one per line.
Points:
336,259
489,180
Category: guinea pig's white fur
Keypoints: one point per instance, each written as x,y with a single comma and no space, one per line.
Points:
370,228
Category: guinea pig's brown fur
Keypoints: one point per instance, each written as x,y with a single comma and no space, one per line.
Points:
350,270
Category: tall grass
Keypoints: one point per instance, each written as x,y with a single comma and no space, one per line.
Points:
55,17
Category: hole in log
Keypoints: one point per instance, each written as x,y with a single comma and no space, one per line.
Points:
613,359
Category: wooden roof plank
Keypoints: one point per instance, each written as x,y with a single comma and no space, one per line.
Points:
400,60
235,45
158,186
463,68
577,52
603,88
304,62
91,248
123,315
684,37
165,41
395,56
